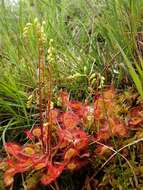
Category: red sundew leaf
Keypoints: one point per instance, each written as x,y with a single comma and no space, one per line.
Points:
64,144
75,105
3,164
101,150
65,137
18,167
100,109
70,153
52,174
28,150
70,120
23,161
111,127
64,134
136,116
23,157
54,115
23,166
22,154
109,93
103,107
10,163
118,127
36,132
97,113
76,164
65,98
8,176
104,132
8,180
72,166
79,109
104,104
102,135
29,135
42,162
39,165
136,111
135,121
121,130
75,137
80,139
12,148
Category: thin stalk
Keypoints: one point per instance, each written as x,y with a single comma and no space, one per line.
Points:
48,110
40,96
43,65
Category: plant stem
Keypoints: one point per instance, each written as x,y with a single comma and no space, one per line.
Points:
40,95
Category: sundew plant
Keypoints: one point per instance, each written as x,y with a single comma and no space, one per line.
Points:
71,89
